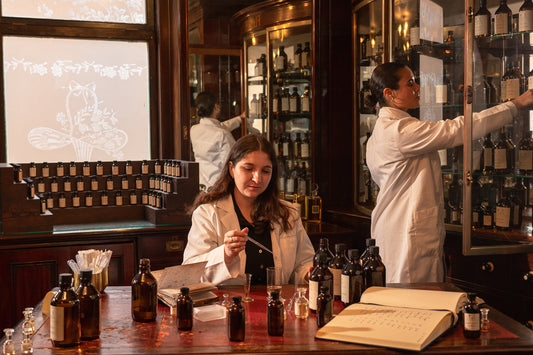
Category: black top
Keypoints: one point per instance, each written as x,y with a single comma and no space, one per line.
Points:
257,259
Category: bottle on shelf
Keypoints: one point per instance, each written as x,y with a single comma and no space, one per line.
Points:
253,106
184,309
482,20
280,61
285,101
374,269
306,100
525,17
502,216
352,285
60,169
276,102
290,179
414,33
294,101
314,205
275,315
487,157
449,48
298,57
28,323
503,19
282,177
8,347
512,84
471,317
236,320
336,266
45,170
307,58
504,154
324,311
260,66
144,294
263,108
306,146
525,154
65,314
89,306
369,242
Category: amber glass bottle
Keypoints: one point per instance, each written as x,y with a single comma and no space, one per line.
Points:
275,315
320,276
89,306
144,294
336,266
352,284
374,269
324,311
236,325
471,317
65,314
184,307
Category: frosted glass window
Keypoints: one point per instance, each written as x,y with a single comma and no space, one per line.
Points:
71,99
121,11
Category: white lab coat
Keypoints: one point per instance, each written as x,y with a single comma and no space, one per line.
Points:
408,220
211,142
293,251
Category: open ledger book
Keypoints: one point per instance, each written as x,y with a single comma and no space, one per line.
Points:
171,279
396,317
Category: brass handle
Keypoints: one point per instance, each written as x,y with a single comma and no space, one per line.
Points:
175,245
528,276
487,266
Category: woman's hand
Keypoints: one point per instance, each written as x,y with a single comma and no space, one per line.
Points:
524,100
234,243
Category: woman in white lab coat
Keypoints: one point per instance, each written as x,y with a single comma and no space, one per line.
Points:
240,226
402,156
211,139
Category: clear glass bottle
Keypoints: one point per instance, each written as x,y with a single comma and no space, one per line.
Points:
89,306
184,309
471,317
324,311
352,284
144,294
485,322
26,344
336,266
65,314
29,319
482,20
236,320
275,315
8,347
301,304
374,269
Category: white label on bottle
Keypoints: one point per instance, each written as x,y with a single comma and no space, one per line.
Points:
472,321
275,105
476,159
441,95
502,216
525,21
86,170
57,323
285,149
481,24
284,104
293,104
62,202
501,24
487,220
500,159
306,104
313,294
345,288
290,186
443,155
73,170
414,36
67,186
304,59
512,88
305,150
336,281
530,82
525,159
279,63
46,172
99,170
487,157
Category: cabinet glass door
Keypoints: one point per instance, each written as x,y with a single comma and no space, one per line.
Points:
499,166
256,82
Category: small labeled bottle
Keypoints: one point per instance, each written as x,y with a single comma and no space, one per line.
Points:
86,168
26,344
336,266
45,170
76,202
129,168
471,317
72,169
62,200
320,276
139,182
145,167
32,170
301,304
88,199
118,198
133,197
67,184
157,167
54,185
109,183
324,311
28,324
323,252
485,323
275,315
144,294
236,318
65,314
352,284
104,198
60,169
40,185
184,308
369,242
99,168
114,167
124,182
8,347
374,269
80,185
89,306
30,192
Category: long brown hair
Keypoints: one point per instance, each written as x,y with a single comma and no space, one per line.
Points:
267,206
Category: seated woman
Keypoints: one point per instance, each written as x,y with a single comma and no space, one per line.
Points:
243,204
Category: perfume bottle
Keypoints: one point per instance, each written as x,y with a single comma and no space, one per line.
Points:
26,344
8,347
301,304
30,319
314,205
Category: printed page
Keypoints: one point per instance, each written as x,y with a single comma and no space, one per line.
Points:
179,275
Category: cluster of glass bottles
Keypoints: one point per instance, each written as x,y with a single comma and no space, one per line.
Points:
343,277
286,102
28,329
503,19
302,58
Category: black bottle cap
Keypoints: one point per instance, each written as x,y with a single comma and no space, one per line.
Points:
184,291
86,275
237,299
274,295
353,253
471,296
370,242
374,250
65,278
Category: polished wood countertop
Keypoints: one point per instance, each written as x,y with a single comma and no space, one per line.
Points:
121,335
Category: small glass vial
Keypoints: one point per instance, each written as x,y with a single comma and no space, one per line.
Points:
30,319
17,172
158,200
94,183
151,181
72,169
80,185
471,317
30,192
129,168
104,199
184,308
485,323
145,167
324,307
62,201
118,198
114,168
226,302
40,185
158,183
124,182
178,169
75,199
88,199
301,305
275,315
8,347
26,344
45,170
144,197
49,201
43,204
33,170
157,167
54,186
67,185
109,183
139,182
236,320
99,168
60,169
133,197
86,168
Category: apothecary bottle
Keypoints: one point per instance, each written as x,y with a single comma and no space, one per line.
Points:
281,60
369,242
72,169
323,252
86,168
184,309
26,344
336,266
324,311
144,294
8,347
29,320
275,315
320,276
307,58
482,20
352,285
45,170
60,169
374,269
503,19
471,317
65,314
525,17
89,306
236,318
99,168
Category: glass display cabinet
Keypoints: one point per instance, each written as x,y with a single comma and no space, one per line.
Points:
464,61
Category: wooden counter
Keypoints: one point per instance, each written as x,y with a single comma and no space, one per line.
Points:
121,335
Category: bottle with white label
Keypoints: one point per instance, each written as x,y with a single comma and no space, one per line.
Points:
414,33
65,327
482,20
525,17
336,266
471,317
503,19
352,285
320,276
